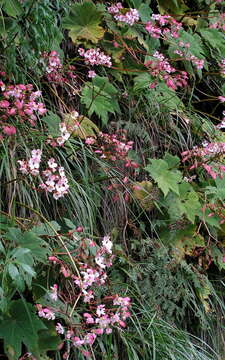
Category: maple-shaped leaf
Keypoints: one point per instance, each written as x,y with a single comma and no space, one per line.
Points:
83,23
52,121
20,326
215,39
167,179
100,97
85,129
146,193
186,203
218,191
48,338
172,6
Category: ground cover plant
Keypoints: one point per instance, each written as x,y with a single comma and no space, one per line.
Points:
112,217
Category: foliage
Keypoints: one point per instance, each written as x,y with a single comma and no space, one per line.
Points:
83,23
112,183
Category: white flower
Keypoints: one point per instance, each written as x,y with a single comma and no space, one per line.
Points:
107,243
100,310
59,328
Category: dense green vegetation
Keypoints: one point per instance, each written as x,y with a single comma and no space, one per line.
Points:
112,216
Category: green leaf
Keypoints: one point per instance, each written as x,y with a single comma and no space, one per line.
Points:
195,41
2,249
86,128
6,24
146,194
20,326
52,120
166,179
83,23
100,97
172,7
172,161
13,234
218,191
191,206
46,228
48,338
215,39
69,223
142,81
165,97
18,252
13,8
28,269
13,271
187,203
218,256
38,247
145,12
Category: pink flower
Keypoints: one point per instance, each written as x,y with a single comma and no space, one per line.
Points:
91,74
79,229
89,141
77,341
11,111
9,130
45,312
59,328
89,339
54,295
65,272
210,171
107,244
4,104
221,98
98,331
129,16
88,296
53,259
100,310
95,57
89,318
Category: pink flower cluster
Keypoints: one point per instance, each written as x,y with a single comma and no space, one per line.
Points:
95,57
105,318
54,68
45,313
7,130
32,165
128,16
220,23
113,147
20,101
99,318
160,67
55,180
163,26
104,255
222,67
91,276
204,156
